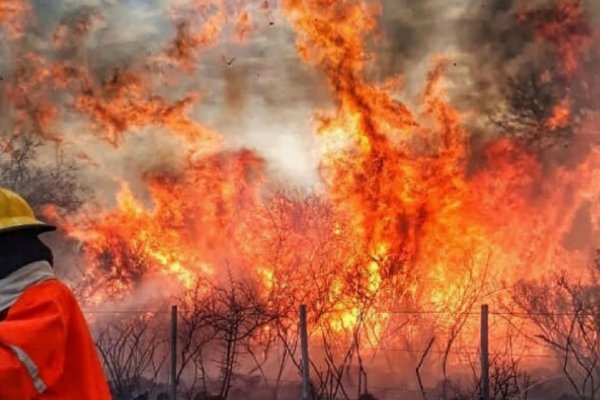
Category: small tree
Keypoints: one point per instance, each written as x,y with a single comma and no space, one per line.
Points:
194,334
508,381
566,312
236,314
54,182
133,353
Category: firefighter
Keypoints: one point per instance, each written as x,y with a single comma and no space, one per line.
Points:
46,350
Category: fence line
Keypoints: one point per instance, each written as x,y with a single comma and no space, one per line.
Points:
125,312
399,312
456,351
477,314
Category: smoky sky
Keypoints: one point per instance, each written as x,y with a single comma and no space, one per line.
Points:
260,95
484,39
257,94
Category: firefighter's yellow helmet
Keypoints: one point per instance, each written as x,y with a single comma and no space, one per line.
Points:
17,215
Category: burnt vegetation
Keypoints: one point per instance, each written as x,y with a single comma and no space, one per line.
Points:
52,182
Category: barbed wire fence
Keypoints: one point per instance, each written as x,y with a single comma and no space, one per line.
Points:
133,349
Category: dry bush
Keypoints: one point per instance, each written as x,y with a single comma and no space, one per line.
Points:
133,353
54,182
236,314
566,312
507,379
219,325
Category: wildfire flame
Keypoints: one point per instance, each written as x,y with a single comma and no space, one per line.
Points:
406,216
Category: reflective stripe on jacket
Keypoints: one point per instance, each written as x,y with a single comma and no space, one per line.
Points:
46,350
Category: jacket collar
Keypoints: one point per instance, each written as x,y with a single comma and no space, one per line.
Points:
16,283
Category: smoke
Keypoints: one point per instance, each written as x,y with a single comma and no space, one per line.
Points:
254,94
494,48
257,94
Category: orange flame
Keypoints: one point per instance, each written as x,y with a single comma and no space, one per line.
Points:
13,14
409,215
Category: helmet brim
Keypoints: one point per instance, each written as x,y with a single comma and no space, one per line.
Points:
37,228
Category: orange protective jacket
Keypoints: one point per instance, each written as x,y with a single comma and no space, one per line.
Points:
46,350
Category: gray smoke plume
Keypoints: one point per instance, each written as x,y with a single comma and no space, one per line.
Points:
256,95
259,94
494,54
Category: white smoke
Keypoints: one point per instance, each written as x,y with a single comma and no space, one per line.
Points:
256,95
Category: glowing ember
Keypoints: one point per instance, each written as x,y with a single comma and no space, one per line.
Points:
560,116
